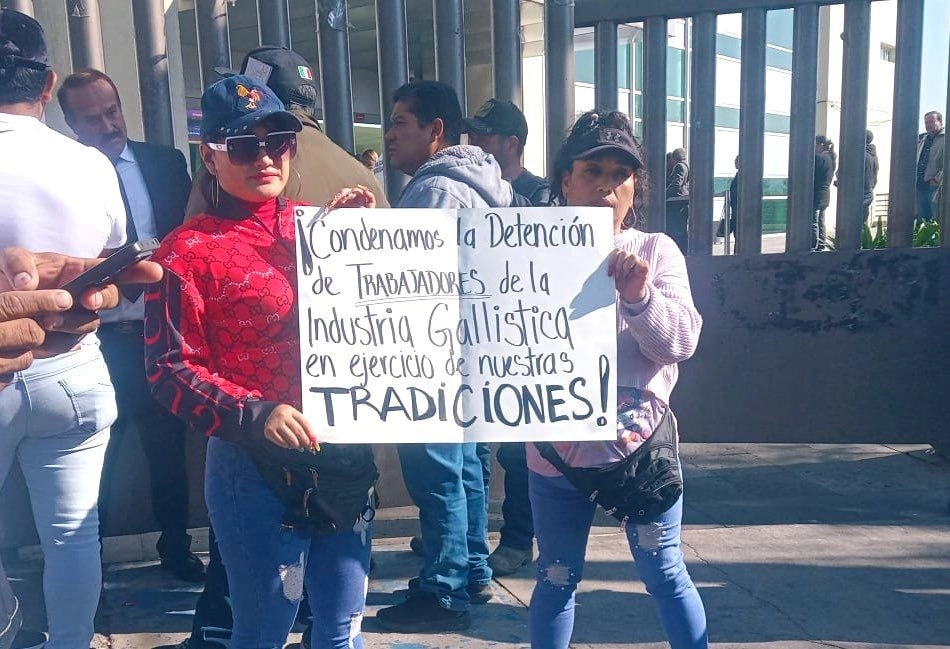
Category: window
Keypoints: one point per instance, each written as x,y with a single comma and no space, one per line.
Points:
888,53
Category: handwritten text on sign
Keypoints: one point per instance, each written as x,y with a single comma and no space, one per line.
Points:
448,326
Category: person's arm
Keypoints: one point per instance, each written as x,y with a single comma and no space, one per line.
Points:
178,358
664,322
36,319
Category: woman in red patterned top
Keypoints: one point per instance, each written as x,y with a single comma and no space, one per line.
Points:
223,354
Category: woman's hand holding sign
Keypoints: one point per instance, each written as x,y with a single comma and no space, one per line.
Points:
630,275
359,196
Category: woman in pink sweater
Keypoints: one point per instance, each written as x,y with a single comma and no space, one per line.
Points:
600,164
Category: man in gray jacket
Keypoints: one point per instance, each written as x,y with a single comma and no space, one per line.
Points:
446,481
929,164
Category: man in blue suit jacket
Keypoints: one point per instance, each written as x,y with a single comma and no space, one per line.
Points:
155,185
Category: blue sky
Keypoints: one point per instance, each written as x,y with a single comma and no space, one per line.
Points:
933,92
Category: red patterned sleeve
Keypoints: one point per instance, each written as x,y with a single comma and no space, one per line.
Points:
177,355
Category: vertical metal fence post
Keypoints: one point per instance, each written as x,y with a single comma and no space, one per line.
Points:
751,133
654,120
801,150
902,202
605,65
558,72
152,51
702,126
945,205
506,45
449,16
333,43
214,42
85,35
393,61
854,117
274,16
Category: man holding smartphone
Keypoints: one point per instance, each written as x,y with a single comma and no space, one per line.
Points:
29,299
155,183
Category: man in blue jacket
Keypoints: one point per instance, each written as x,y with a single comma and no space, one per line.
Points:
446,481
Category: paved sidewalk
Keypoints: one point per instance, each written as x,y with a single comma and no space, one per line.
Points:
790,545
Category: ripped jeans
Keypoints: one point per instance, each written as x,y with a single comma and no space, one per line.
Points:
269,565
562,521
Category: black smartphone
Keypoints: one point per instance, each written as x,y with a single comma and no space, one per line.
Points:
111,266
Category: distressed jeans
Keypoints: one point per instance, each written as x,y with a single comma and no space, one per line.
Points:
562,521
54,420
268,565
447,484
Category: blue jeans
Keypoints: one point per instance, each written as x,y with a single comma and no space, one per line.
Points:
925,201
55,420
446,482
518,529
818,240
268,564
562,520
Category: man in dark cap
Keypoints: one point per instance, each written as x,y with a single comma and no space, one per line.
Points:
155,185
500,129
321,168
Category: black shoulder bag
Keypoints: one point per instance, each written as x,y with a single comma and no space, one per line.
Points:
325,492
638,488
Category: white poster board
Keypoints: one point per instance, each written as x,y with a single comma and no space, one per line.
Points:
426,325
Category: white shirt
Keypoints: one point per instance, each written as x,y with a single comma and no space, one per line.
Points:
56,195
143,216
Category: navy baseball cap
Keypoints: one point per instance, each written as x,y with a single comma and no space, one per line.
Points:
235,105
22,42
498,117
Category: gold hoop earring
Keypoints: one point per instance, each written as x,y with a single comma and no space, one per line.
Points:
215,190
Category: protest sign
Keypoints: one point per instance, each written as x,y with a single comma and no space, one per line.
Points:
426,325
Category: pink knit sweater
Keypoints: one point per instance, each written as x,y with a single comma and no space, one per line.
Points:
652,337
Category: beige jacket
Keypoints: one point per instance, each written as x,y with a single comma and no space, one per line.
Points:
320,170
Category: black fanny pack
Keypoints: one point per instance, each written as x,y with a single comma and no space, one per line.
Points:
325,492
639,488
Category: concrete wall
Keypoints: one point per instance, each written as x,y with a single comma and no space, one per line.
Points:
819,348
816,348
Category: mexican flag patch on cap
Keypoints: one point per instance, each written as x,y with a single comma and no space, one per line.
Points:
304,72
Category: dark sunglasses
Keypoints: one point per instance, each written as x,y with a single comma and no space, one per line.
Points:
244,149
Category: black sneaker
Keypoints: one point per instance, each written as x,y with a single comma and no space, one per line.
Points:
184,565
421,613
416,547
477,593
